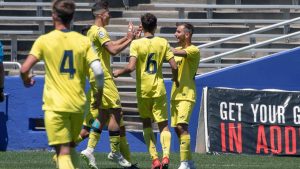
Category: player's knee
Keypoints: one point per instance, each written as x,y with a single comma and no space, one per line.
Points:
181,128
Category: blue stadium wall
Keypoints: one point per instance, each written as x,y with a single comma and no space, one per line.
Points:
23,106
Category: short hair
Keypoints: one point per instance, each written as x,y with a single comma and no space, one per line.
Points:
85,29
187,27
99,5
64,9
149,22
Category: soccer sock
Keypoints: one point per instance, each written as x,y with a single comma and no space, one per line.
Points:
150,142
94,137
65,162
75,158
165,140
124,148
185,153
114,138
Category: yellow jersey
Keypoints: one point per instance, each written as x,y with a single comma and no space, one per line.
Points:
150,53
187,69
66,56
99,36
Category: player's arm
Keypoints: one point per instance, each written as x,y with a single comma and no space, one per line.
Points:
27,65
99,80
115,47
174,67
130,67
179,52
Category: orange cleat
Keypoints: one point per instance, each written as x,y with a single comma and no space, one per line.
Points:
156,164
165,163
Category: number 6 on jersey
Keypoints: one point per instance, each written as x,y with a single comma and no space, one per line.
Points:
151,67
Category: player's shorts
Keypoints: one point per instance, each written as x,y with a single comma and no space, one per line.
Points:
110,100
181,111
62,127
154,108
111,97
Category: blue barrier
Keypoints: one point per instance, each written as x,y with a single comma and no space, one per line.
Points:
279,71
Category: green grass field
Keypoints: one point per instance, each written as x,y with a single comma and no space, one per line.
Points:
42,160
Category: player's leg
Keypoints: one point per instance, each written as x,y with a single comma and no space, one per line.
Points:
145,107
58,127
183,109
160,113
114,137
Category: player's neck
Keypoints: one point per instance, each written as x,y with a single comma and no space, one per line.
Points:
60,26
185,44
148,34
99,23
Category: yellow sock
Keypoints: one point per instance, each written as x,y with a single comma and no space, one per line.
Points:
114,143
150,142
65,162
94,137
165,140
185,153
78,139
54,159
75,158
124,148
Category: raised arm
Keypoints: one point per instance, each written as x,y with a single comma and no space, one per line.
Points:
27,65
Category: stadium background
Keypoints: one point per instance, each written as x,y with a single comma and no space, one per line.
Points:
21,127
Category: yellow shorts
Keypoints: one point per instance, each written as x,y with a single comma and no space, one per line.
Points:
154,108
62,127
111,97
181,111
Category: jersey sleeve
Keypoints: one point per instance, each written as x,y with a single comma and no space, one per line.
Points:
169,54
91,54
37,49
1,52
133,49
192,51
102,36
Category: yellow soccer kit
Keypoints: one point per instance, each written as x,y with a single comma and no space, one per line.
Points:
66,56
110,98
186,92
150,53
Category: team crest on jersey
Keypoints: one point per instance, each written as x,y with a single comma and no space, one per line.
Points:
101,34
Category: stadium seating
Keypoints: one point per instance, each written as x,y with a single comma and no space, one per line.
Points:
211,23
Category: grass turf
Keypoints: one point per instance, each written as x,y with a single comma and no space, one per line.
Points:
43,160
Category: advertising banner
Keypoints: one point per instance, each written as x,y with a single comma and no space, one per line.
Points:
252,122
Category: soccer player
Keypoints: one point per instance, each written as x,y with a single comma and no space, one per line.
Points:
183,98
146,56
2,75
67,55
110,111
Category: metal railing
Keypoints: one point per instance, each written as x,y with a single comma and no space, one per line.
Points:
219,56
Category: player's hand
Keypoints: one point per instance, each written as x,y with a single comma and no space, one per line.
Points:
138,32
116,73
29,81
97,99
130,33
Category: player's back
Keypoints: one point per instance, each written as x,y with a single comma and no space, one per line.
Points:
150,53
65,57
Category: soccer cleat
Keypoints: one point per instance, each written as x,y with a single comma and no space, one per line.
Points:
192,164
110,156
156,164
89,159
118,158
165,163
133,166
184,165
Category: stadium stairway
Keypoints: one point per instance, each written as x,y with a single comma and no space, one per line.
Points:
119,23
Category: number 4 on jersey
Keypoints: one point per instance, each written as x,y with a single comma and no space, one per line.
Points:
68,68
